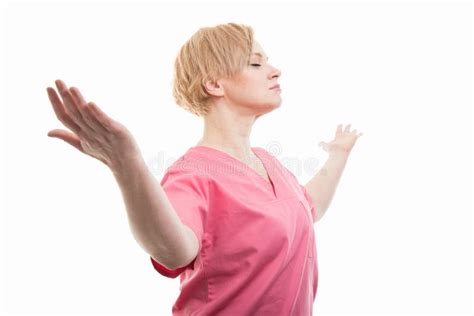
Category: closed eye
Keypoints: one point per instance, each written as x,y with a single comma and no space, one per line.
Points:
257,65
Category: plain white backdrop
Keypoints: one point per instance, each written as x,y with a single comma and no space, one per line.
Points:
397,238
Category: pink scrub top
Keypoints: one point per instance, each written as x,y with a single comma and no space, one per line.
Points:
257,252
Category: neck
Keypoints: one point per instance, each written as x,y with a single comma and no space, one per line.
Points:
228,132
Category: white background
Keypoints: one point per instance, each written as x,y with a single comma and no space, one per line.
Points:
397,238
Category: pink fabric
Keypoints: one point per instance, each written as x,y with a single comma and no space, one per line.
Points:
257,245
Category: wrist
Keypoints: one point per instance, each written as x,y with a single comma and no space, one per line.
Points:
126,166
339,152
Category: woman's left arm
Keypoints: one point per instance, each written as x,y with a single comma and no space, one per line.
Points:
322,186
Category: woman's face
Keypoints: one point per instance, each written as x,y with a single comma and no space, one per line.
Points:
250,91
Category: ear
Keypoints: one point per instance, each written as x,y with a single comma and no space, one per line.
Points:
214,88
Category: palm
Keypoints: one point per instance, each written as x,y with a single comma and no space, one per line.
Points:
343,140
93,132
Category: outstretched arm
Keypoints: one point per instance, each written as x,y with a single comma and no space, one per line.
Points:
152,218
322,186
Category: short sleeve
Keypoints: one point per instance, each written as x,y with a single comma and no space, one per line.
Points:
310,201
305,192
188,193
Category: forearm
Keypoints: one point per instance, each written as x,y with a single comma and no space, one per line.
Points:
152,219
323,185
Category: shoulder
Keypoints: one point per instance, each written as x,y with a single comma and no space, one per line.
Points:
187,169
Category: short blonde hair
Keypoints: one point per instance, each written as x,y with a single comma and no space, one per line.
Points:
211,53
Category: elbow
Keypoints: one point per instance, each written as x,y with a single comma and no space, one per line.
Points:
166,262
176,254
183,255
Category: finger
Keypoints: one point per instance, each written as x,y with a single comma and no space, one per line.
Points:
68,137
354,131
92,116
71,106
86,112
60,111
339,129
347,128
323,145
78,96
103,119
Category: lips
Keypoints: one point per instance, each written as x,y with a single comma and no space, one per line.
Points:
275,87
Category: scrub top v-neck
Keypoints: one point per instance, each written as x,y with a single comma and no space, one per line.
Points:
257,249
245,167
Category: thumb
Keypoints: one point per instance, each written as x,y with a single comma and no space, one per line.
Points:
70,138
324,145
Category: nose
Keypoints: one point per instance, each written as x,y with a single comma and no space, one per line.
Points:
275,73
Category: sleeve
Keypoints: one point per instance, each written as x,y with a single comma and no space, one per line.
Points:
310,201
187,192
302,188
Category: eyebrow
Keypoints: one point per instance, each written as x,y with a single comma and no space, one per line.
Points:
258,54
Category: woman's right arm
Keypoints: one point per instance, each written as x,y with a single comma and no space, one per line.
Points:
153,220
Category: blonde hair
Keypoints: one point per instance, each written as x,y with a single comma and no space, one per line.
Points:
211,53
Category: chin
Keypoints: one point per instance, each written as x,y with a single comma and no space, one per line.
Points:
269,107
275,105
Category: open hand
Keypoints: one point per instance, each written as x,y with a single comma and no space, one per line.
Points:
343,140
93,132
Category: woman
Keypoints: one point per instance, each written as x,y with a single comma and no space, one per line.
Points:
229,218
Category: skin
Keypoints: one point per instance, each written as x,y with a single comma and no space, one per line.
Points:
152,218
237,103
322,186
94,133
